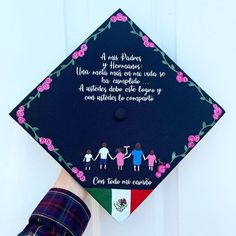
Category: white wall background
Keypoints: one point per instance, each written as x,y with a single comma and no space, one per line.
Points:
199,197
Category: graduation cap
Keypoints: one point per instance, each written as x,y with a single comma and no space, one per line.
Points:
118,114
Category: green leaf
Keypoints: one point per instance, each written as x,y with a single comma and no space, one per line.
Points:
28,105
63,66
202,98
95,37
172,67
191,84
69,164
132,32
140,33
173,155
72,61
164,62
35,128
210,101
109,25
131,22
56,149
185,148
201,133
100,30
31,97
60,158
58,73
39,94
203,124
26,125
163,54
156,50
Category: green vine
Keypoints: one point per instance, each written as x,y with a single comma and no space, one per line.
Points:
72,61
155,49
99,31
58,72
186,148
203,98
31,99
165,62
33,129
61,159
36,137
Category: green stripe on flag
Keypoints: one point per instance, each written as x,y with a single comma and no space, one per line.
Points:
103,196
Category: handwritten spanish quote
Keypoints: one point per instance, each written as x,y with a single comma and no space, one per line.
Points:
121,79
116,181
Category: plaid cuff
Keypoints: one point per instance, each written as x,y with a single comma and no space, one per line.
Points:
64,209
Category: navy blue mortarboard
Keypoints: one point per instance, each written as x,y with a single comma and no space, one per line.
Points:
118,114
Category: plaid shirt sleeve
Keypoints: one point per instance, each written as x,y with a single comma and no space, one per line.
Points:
60,213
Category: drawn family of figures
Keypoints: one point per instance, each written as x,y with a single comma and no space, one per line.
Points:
122,154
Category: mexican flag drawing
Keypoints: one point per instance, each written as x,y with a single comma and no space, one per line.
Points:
120,203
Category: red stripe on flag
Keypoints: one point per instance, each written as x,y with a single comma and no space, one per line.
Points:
137,197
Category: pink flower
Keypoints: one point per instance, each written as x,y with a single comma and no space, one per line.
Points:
51,147
21,108
113,19
21,120
119,16
214,106
46,86
191,138
145,38
218,110
197,138
40,89
75,55
80,173
215,116
75,170
82,178
48,80
179,79
167,166
81,53
124,19
20,113
152,45
191,144
185,79
84,47
161,169
146,44
42,140
158,175
48,141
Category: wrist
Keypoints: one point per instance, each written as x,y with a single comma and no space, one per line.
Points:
65,181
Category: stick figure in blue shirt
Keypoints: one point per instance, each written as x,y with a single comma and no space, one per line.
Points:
137,154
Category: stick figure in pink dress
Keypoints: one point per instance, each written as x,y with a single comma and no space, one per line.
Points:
152,159
120,156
